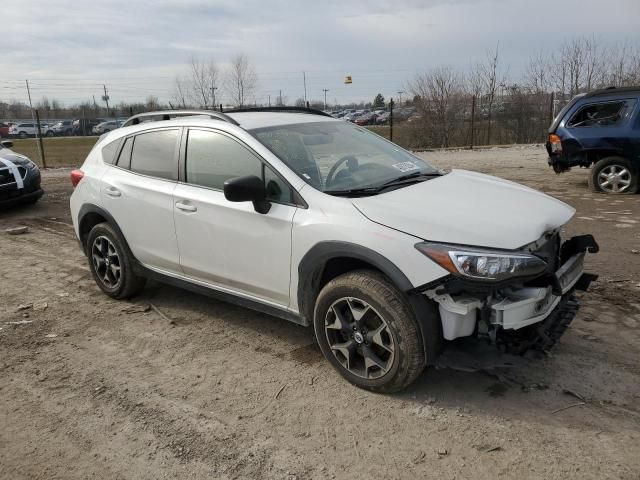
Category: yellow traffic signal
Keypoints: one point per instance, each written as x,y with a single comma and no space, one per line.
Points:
347,79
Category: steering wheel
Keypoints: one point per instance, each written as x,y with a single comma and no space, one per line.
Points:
352,164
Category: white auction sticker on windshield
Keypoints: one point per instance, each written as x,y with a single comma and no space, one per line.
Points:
406,166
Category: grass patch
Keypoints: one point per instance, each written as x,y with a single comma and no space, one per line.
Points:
59,152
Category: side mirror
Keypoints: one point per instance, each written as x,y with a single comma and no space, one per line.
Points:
247,189
7,143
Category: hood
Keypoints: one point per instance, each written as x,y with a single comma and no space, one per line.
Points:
14,157
468,208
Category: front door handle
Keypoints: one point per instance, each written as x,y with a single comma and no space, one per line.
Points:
113,192
185,207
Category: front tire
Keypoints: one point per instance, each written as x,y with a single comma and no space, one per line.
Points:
614,175
368,332
110,262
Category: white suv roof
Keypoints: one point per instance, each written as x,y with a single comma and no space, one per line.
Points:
251,120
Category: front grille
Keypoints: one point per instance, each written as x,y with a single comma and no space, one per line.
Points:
6,175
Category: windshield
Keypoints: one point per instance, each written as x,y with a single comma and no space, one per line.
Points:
338,156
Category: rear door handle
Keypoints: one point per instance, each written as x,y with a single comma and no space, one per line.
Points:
113,192
185,207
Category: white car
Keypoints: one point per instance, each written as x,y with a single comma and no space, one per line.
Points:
24,130
323,223
105,127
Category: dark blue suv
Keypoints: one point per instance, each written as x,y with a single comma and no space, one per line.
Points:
600,128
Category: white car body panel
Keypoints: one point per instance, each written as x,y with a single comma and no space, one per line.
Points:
225,243
468,208
143,208
331,218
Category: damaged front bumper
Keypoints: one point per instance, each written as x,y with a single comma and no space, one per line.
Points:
518,317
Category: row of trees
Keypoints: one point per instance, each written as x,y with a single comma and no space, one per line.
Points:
484,105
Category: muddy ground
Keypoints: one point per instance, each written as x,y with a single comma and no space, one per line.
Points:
96,388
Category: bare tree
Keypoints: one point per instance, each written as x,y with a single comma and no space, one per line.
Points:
152,103
180,91
623,66
203,82
241,80
594,64
439,94
490,78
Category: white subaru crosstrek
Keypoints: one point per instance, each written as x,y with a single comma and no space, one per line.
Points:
324,223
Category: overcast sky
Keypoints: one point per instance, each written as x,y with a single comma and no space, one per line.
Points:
67,49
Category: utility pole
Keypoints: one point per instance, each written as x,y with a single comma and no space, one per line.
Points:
269,99
304,80
325,90
38,124
105,97
213,95
280,101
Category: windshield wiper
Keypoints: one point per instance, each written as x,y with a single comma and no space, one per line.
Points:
354,192
402,180
409,176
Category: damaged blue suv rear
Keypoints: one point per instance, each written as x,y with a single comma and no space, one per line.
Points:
601,130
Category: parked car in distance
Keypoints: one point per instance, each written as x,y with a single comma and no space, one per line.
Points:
383,118
24,130
19,177
62,128
326,224
84,126
601,130
105,127
365,119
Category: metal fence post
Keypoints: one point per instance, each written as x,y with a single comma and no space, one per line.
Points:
473,119
391,120
42,159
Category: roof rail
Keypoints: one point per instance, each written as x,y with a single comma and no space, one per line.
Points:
612,91
161,115
311,111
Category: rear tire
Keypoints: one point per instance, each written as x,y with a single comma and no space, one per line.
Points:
23,135
615,175
111,263
368,332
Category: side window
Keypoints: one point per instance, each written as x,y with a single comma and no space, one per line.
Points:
124,160
109,151
154,154
213,158
601,114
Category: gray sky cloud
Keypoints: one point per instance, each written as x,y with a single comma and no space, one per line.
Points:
68,49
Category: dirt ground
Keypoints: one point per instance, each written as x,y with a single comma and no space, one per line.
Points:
95,388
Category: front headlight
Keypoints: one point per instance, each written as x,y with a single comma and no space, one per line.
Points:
480,264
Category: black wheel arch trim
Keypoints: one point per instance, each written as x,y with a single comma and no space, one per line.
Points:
311,269
89,208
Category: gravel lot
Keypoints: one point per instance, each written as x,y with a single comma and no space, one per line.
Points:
95,388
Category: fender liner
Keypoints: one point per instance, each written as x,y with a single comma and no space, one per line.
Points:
310,272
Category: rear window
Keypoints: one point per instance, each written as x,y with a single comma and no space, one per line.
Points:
153,154
109,151
601,114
